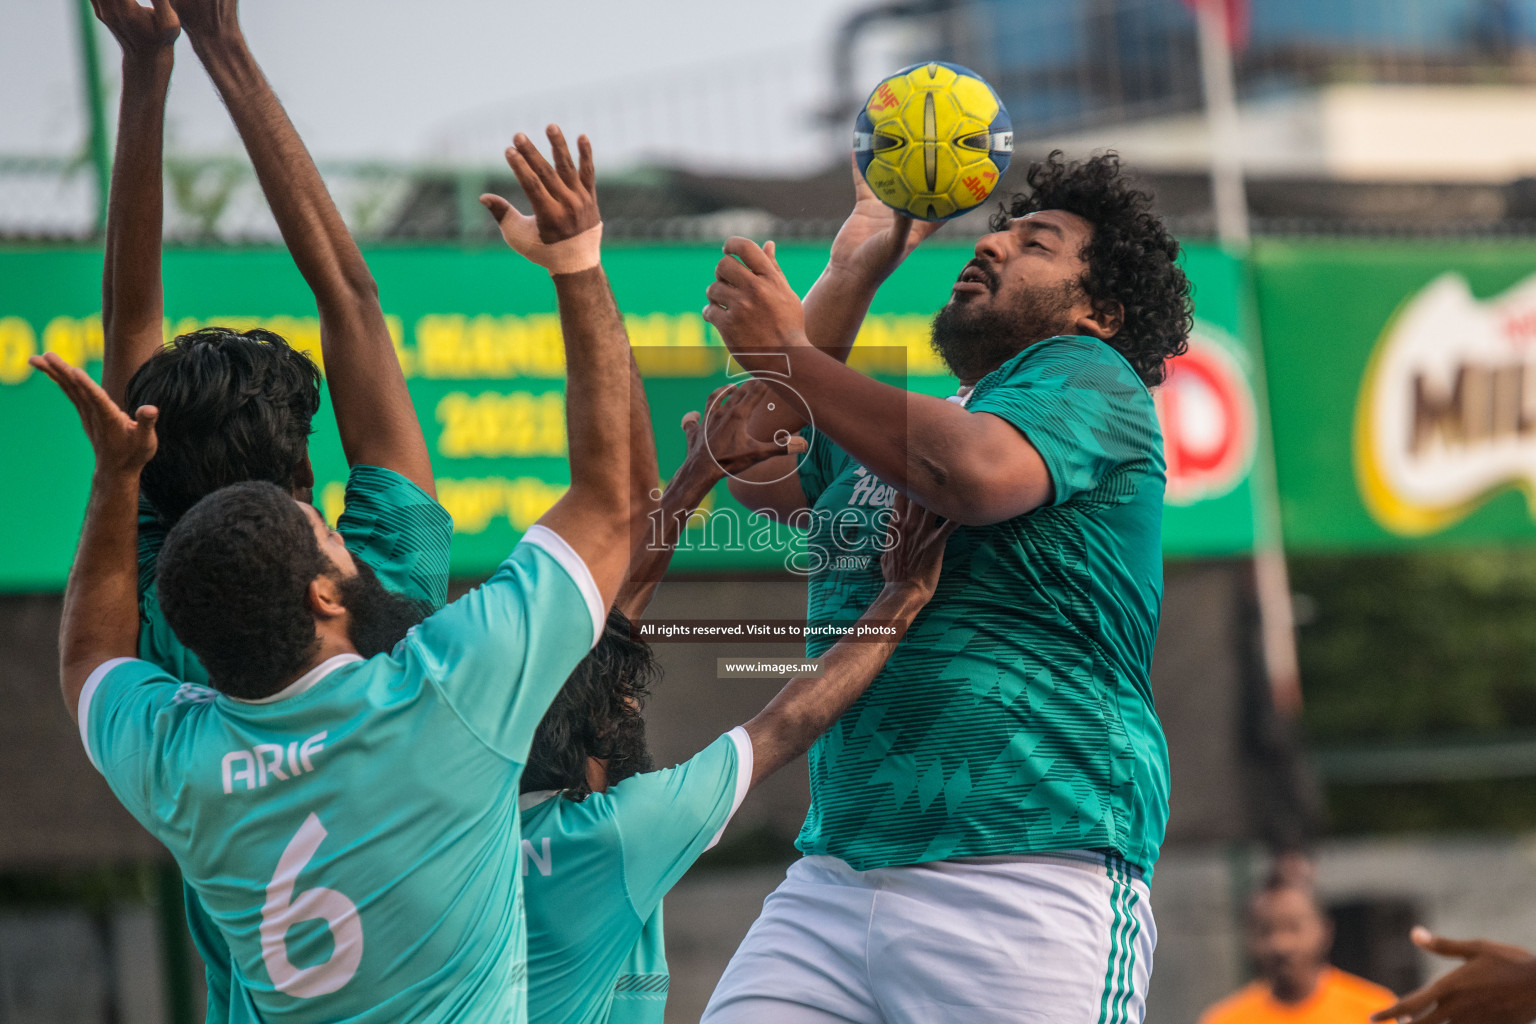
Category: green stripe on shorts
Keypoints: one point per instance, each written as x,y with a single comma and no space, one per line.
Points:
1120,970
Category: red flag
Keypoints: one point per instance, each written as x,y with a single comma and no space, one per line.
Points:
1237,19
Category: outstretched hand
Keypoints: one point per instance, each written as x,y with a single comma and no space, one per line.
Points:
720,436
564,233
1496,985
751,303
139,29
914,553
122,443
875,239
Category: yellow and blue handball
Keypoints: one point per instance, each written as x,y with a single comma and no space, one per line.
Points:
933,140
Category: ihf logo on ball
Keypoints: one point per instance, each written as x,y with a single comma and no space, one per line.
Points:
1446,415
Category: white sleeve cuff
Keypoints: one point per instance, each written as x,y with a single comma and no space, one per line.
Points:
83,711
554,545
743,744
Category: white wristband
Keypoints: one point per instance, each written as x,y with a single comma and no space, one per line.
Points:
567,256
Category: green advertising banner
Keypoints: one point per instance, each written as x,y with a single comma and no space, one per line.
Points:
479,341
1400,385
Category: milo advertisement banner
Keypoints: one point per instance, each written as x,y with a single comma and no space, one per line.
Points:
478,339
1403,389
1209,413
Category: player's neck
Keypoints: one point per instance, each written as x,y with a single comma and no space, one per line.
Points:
332,643
597,774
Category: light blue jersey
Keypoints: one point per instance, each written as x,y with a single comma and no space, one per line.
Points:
349,835
594,873
390,523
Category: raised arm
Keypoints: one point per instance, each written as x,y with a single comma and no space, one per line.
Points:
596,516
870,245
971,467
808,706
719,445
101,612
645,476
374,414
132,301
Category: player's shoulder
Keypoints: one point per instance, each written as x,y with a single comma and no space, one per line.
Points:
1074,358
126,673
1359,991
1239,1007
663,792
384,482
130,706
389,516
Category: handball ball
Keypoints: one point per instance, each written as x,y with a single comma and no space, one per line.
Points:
933,140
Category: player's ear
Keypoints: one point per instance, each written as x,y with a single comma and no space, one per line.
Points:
1102,320
325,597
304,475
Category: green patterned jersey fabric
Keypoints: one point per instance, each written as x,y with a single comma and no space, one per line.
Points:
1016,716
355,836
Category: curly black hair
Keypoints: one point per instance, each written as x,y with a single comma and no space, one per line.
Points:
1133,263
234,406
233,581
596,714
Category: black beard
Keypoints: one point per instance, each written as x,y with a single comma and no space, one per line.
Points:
973,343
377,618
627,752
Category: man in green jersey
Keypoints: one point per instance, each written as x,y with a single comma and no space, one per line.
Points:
985,818
237,406
350,824
604,836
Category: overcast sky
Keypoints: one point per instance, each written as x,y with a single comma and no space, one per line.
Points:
401,79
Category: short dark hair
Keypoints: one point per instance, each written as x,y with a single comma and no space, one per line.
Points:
608,687
1133,262
233,581
1276,883
234,406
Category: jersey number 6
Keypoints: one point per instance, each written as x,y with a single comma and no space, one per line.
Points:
282,911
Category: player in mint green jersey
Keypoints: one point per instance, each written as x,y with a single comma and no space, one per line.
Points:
350,824
1006,774
604,836
238,406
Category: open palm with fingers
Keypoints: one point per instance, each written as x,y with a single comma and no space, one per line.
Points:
563,195
721,434
122,443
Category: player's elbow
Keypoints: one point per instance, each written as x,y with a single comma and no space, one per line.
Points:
355,281
975,491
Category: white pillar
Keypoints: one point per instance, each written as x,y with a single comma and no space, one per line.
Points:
1231,200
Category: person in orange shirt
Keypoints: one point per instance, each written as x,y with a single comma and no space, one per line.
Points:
1288,938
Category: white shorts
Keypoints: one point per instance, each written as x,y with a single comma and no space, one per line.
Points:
1065,938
